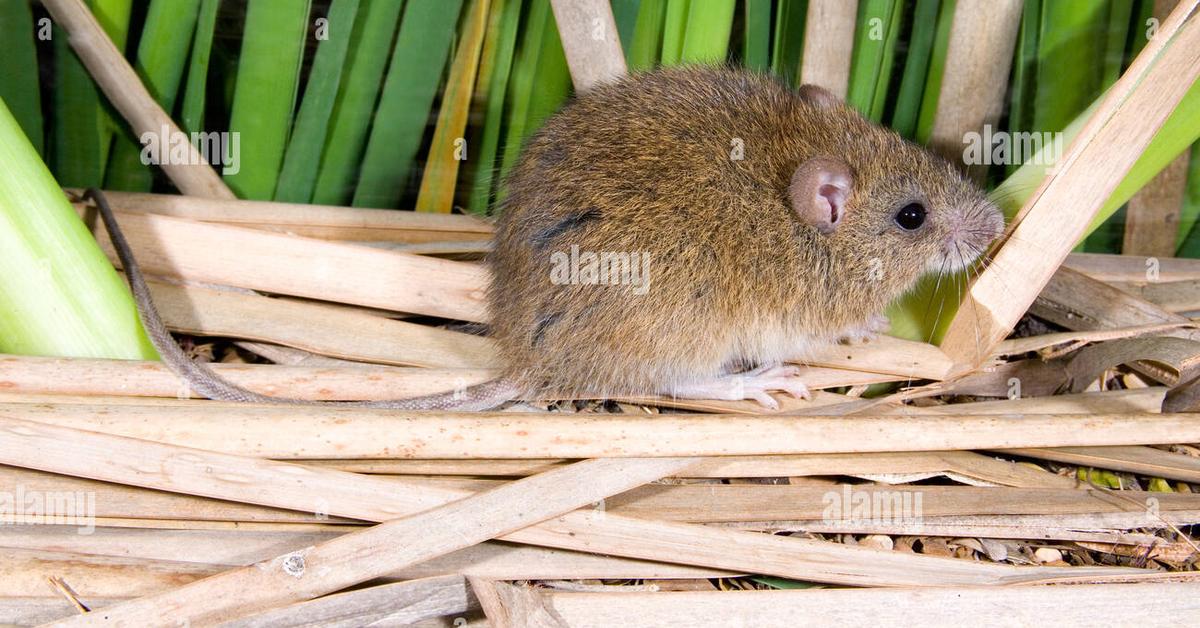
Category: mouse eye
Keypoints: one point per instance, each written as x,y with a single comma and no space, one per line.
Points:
911,217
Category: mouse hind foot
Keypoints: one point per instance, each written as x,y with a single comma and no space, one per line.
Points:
753,384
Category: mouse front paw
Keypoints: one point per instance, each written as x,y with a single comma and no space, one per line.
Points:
875,325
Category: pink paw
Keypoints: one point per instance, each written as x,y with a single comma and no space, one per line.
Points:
783,377
876,324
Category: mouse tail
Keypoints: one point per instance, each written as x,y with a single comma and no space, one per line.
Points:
208,384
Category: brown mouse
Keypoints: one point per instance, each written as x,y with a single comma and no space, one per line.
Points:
664,232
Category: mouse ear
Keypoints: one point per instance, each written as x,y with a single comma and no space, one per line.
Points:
817,95
819,190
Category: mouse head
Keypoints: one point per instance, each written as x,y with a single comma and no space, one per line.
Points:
878,199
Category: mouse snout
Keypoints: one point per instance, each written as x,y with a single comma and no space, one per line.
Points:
970,228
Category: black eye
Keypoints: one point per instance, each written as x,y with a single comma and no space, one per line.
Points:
911,217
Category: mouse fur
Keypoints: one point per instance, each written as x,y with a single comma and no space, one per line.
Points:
647,165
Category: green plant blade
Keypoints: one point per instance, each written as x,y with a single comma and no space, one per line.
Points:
674,31
625,14
788,45
539,85
268,75
1188,241
19,69
370,48
161,54
82,131
59,295
937,68
642,53
756,39
195,92
916,66
486,140
298,175
875,38
418,62
706,39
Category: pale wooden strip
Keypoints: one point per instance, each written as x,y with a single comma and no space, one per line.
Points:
1017,346
1152,216
236,547
315,221
1090,528
306,267
590,41
397,604
982,36
1059,212
377,551
320,432
1134,459
1133,268
1165,604
125,91
828,44
327,329
151,465
81,376
884,354
1077,301
1173,296
696,503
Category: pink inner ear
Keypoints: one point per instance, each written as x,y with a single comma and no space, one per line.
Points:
835,197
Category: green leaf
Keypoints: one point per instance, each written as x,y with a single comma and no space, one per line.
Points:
916,67
417,65
706,39
162,52
19,69
625,14
197,77
298,175
674,31
756,41
370,48
642,53
487,138
59,295
937,67
784,583
788,46
268,76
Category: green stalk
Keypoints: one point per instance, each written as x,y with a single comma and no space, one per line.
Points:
916,66
540,83
706,39
642,53
161,54
1024,73
59,295
82,129
937,67
788,47
756,41
268,75
417,65
19,69
1188,241
487,138
674,31
197,77
298,175
1070,48
625,14
370,48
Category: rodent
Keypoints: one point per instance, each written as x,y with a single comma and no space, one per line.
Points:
765,221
